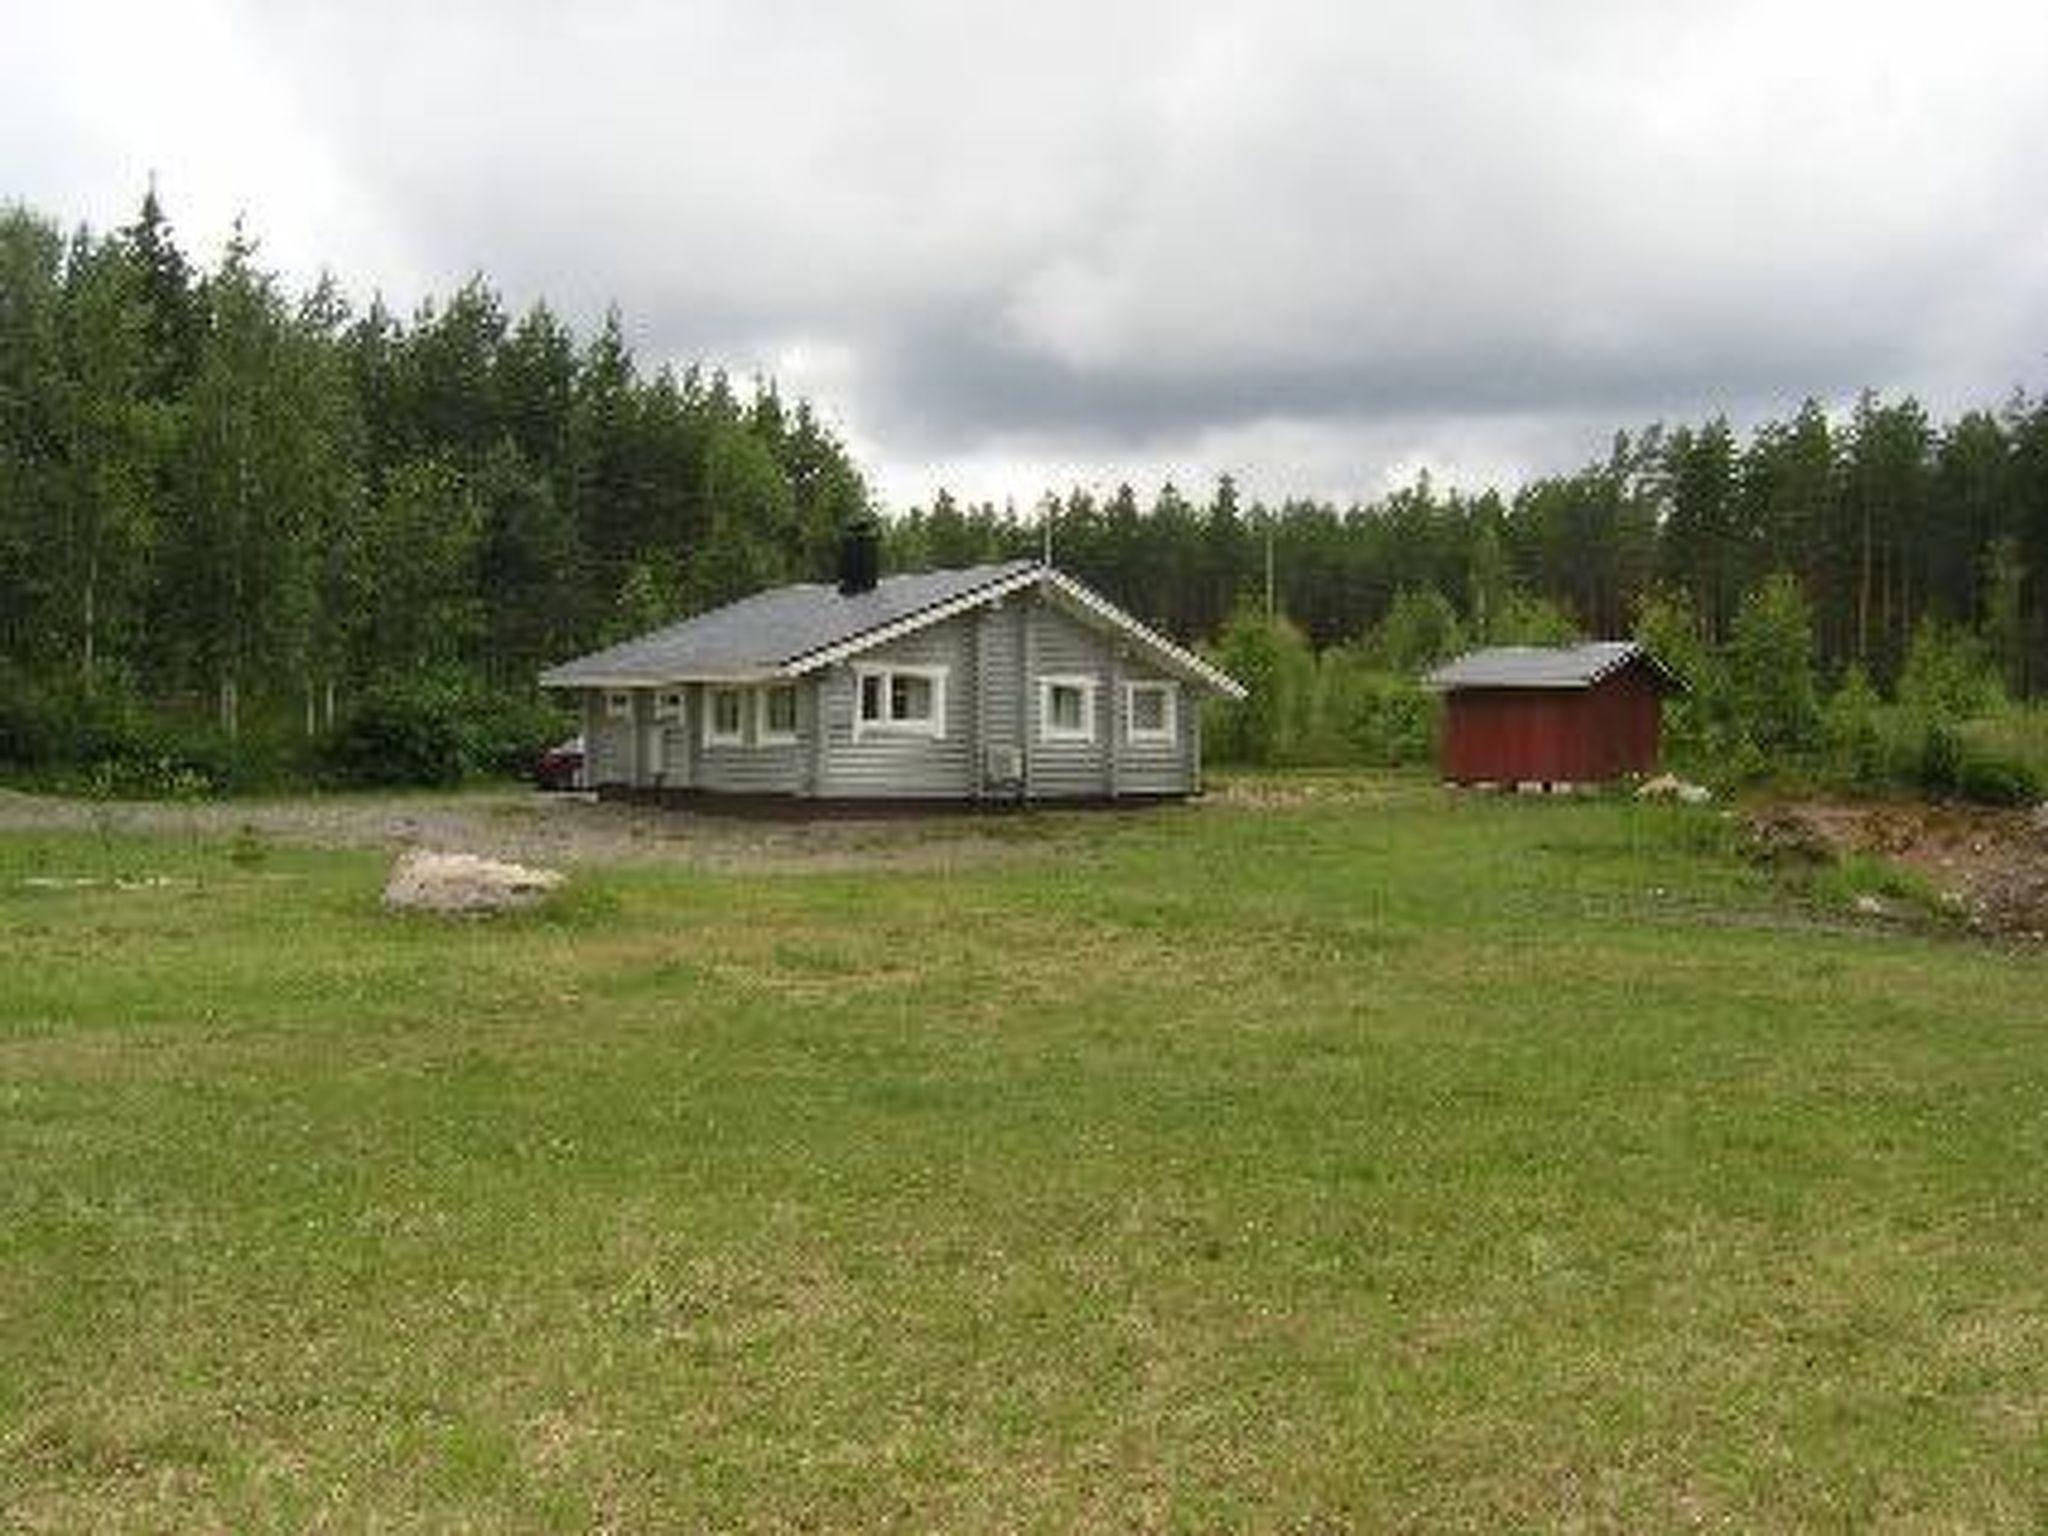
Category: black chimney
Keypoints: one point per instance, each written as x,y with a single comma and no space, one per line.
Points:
860,555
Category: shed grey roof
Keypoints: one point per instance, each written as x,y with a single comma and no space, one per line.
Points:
1545,666
788,631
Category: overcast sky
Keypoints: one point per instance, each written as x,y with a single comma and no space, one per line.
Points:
1006,246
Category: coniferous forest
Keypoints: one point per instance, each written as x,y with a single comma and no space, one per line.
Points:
238,523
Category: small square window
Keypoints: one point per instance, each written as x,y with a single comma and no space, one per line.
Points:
1066,708
668,705
618,706
1150,713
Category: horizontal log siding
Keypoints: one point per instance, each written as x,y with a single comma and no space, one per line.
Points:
750,768
675,755
607,743
905,766
1157,768
1069,768
1000,677
1068,647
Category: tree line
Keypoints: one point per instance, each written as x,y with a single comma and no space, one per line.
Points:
222,500
1885,521
220,496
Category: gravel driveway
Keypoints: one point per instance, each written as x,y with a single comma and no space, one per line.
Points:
561,829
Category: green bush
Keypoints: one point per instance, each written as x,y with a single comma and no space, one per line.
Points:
31,728
1370,716
2018,732
1771,694
108,743
1851,729
1271,723
44,723
1420,631
1988,779
1950,765
1940,763
511,732
412,732
1949,673
436,731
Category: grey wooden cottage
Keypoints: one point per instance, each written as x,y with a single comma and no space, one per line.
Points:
999,683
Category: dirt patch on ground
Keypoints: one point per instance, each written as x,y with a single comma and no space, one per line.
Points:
1991,865
1286,792
555,829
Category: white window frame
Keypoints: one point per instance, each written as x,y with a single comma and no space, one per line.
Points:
713,736
1169,732
668,705
618,704
1086,686
766,735
886,674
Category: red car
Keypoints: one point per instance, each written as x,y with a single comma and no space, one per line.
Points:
561,766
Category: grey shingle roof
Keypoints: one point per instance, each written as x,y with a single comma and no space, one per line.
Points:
759,636
1543,666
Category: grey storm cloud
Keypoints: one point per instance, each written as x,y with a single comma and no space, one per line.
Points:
1284,240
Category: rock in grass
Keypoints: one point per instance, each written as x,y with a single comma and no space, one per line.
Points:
458,884
1669,786
1786,837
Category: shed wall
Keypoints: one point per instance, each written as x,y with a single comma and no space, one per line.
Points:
1585,735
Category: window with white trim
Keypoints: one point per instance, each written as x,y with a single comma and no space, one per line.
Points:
1066,708
725,720
899,701
668,704
1151,713
618,706
775,715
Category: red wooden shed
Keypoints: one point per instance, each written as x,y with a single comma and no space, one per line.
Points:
1552,715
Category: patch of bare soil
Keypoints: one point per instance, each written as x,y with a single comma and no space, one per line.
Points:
1286,792
1992,865
530,827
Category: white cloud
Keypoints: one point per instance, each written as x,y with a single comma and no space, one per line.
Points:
1323,242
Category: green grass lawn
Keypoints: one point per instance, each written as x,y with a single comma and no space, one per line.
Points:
1379,1161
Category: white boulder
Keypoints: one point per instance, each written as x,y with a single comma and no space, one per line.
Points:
1669,786
460,883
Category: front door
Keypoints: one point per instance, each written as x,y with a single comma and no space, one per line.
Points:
652,758
664,753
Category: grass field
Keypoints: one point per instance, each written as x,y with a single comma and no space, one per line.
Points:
1351,1160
